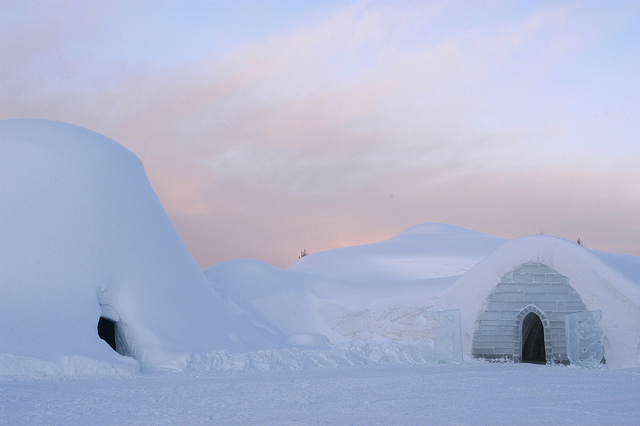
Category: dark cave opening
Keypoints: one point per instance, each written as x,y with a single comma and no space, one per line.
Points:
107,331
533,349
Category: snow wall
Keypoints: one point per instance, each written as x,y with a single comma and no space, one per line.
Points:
84,236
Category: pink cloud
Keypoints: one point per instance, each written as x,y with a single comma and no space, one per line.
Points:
347,131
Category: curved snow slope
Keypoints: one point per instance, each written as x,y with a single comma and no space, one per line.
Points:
262,292
382,290
628,266
430,250
315,311
84,235
598,278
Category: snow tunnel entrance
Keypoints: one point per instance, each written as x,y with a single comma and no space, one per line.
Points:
107,332
533,350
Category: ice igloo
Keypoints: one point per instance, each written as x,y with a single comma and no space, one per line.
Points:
86,242
514,303
514,297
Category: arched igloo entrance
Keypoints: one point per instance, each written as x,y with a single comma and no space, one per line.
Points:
531,299
532,332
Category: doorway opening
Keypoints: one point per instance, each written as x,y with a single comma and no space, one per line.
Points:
107,332
533,349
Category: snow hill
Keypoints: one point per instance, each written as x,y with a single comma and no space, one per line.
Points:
84,236
431,250
376,291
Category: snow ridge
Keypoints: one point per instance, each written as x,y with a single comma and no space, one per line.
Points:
357,352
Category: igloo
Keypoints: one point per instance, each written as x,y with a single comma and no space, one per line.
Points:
515,303
86,242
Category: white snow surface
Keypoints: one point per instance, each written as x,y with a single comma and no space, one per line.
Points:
476,393
382,291
430,250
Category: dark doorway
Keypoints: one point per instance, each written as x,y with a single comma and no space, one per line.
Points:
533,340
107,331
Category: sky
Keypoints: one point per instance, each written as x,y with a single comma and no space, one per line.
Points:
271,127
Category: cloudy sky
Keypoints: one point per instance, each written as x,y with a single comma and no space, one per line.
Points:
269,127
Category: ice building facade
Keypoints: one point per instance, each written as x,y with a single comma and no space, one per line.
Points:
516,302
524,317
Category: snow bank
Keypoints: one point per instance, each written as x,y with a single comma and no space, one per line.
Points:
431,250
13,367
278,299
357,352
85,236
385,290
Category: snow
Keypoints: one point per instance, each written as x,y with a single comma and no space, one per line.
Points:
391,290
431,250
84,235
381,291
341,336
600,286
476,393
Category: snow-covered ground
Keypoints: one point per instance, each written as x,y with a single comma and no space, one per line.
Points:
475,393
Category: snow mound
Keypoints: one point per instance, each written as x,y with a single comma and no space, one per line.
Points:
432,250
84,236
280,300
384,290
350,354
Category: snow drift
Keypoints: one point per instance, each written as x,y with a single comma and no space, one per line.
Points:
383,292
84,237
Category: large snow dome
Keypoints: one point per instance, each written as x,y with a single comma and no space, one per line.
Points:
84,237
551,278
